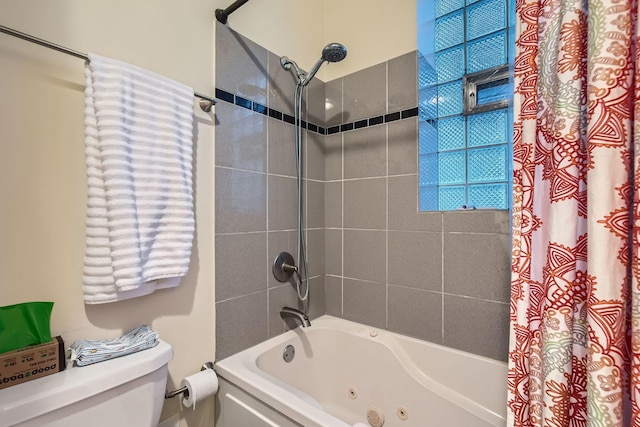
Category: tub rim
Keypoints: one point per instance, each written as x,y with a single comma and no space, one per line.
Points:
244,373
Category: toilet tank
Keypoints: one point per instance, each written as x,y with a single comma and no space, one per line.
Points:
126,391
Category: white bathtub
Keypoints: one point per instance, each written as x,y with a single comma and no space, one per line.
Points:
341,370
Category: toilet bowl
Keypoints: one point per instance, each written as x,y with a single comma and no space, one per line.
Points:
126,391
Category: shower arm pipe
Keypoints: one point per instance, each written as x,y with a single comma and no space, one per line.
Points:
205,103
311,74
222,15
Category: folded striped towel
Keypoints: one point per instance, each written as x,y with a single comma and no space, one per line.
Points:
138,144
85,352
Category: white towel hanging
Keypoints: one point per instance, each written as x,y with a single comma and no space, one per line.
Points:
140,221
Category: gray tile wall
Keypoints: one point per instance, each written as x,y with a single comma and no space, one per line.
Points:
373,257
256,195
439,276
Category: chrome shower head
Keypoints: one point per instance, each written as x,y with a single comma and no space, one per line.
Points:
334,52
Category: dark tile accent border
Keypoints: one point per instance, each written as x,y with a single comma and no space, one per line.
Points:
275,114
344,127
224,95
411,112
376,120
361,124
392,117
242,102
259,108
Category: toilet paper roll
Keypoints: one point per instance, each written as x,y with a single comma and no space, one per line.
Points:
200,386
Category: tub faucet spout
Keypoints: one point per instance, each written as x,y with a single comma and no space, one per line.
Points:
296,314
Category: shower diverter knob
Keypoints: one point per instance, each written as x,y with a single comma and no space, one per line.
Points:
283,267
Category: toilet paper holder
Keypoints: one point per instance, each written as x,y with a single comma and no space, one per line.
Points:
183,390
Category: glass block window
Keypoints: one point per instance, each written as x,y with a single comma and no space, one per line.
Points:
449,30
449,99
446,6
485,17
451,167
451,133
487,164
488,128
464,103
487,52
451,197
450,64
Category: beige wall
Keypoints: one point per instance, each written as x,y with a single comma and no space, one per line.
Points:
42,171
373,31
285,27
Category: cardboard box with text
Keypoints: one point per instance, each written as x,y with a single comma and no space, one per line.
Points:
32,362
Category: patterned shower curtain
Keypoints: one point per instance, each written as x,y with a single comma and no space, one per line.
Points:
574,355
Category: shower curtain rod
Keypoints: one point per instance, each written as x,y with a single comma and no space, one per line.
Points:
205,104
222,15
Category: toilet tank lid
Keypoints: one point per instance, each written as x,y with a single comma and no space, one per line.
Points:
34,398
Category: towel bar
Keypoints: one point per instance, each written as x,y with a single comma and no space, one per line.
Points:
206,101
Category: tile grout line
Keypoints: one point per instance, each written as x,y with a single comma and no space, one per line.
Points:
267,215
342,201
386,287
442,276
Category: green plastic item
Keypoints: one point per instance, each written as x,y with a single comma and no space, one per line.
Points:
22,325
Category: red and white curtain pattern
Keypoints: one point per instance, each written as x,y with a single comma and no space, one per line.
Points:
574,355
